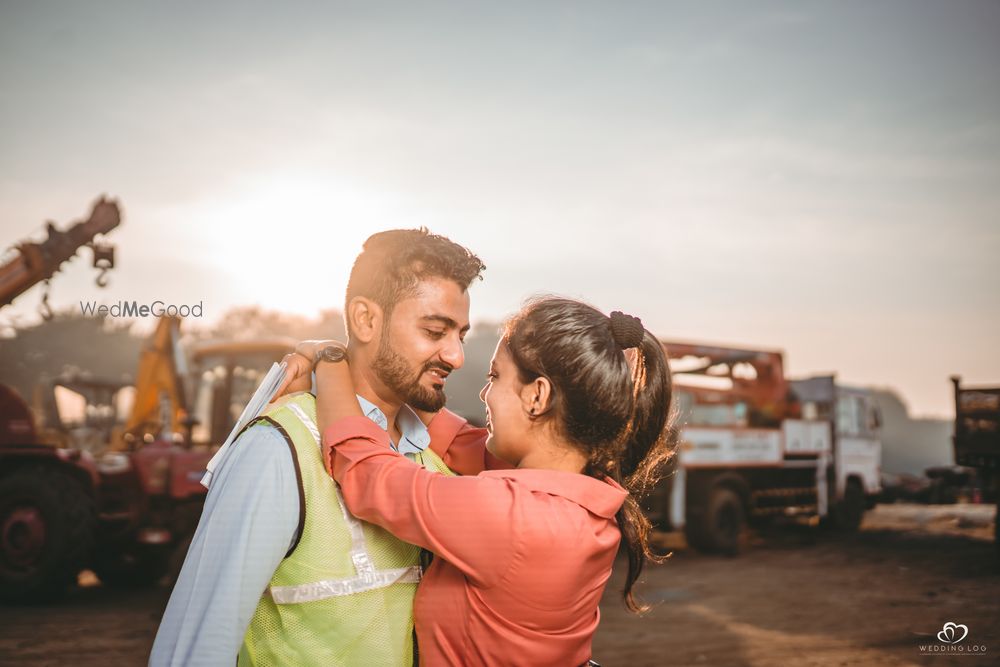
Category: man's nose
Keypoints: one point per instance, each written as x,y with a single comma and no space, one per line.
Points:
453,353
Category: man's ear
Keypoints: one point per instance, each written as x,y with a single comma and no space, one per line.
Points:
364,319
536,397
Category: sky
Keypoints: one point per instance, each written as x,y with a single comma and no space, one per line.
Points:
821,178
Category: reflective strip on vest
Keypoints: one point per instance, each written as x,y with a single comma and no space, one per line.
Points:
320,590
368,578
308,423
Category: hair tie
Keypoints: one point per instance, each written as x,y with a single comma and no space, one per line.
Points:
626,330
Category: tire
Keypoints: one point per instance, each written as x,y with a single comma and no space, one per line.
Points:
847,514
720,528
47,529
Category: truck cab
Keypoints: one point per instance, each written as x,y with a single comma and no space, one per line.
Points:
854,474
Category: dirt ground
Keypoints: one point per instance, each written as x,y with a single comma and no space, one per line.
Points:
796,596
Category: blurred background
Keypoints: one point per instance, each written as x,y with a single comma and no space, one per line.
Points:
801,187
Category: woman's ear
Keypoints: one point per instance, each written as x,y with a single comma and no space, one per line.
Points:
364,319
536,397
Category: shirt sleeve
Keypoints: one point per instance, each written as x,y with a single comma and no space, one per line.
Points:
468,521
248,524
462,446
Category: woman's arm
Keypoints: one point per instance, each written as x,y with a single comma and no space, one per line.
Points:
468,521
460,445
472,522
335,397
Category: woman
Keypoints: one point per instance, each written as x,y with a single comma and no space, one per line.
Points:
578,403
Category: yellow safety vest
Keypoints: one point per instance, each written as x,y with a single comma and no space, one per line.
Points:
344,594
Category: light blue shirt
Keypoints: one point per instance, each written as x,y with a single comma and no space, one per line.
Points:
249,522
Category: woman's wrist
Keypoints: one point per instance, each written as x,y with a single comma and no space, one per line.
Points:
335,395
332,371
317,350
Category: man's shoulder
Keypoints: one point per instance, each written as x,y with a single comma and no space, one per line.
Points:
260,443
261,429
297,402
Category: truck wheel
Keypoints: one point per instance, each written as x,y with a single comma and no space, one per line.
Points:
848,512
719,529
47,528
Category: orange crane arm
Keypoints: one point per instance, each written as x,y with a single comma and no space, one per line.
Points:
768,391
37,262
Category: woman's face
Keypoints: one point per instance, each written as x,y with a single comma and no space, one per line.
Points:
506,418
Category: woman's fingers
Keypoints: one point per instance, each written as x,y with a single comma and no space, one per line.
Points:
297,371
309,348
301,383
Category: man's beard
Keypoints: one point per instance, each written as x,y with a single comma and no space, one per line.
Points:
393,371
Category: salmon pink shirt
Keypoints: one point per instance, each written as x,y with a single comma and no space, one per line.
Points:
522,555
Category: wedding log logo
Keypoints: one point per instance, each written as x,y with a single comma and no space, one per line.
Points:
951,637
947,633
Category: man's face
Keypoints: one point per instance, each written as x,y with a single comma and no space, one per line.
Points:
421,343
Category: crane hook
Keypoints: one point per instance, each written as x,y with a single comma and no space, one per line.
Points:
104,259
102,278
44,309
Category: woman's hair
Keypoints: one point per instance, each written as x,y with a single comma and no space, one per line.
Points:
612,403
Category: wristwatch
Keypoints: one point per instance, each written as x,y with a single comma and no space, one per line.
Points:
332,353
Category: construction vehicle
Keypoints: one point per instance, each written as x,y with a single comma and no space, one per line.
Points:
149,493
119,496
755,445
977,440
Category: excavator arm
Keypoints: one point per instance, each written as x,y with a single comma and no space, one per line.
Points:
160,405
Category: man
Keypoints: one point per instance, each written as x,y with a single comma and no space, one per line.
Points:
278,572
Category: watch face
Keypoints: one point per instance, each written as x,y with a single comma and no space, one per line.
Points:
333,353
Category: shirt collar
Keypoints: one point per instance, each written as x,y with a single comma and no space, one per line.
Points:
414,436
603,497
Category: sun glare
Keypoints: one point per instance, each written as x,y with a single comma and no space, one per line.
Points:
288,241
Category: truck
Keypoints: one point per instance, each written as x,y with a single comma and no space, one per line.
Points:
114,487
754,446
977,440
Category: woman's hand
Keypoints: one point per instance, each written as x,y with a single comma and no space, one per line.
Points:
299,367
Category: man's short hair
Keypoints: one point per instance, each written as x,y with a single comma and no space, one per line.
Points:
392,264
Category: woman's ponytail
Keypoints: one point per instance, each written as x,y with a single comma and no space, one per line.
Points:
648,446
